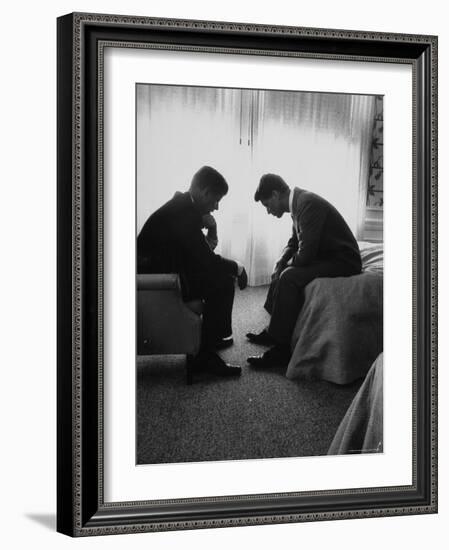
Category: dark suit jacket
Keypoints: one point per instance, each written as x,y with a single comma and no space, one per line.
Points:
319,233
172,241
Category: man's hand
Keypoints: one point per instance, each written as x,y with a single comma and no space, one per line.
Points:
209,222
242,280
277,270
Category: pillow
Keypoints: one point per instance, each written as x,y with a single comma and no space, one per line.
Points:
372,255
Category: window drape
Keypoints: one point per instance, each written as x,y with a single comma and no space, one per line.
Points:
316,141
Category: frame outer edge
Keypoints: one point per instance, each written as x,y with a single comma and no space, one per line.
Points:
71,523
229,26
65,402
77,313
434,271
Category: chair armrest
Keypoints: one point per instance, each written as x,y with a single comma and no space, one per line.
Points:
158,281
165,322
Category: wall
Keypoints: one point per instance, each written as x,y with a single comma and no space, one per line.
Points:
28,229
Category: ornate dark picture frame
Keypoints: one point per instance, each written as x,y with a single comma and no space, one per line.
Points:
81,510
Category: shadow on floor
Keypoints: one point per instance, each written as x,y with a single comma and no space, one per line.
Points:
46,520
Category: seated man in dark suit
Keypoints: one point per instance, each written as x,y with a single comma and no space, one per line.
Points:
172,241
321,245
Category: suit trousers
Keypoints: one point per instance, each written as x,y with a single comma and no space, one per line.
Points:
218,299
286,295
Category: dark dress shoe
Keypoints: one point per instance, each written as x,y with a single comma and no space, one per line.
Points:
213,363
242,280
226,370
223,343
263,338
274,357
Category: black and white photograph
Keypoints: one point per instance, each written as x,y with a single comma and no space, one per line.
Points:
259,273
223,293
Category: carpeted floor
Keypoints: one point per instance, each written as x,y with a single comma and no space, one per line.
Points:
261,414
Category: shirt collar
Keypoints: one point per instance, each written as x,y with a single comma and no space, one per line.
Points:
290,201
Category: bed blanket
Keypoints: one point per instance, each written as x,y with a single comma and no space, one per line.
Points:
339,331
361,430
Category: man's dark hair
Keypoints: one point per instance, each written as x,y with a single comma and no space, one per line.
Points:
269,183
208,178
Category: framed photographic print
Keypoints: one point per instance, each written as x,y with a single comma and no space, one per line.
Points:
247,291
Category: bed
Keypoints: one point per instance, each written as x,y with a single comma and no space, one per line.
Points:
361,430
339,331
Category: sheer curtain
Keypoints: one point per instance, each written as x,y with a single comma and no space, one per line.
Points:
316,141
180,129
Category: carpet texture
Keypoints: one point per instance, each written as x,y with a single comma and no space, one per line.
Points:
261,414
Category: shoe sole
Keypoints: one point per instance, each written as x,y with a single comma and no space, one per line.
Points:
260,342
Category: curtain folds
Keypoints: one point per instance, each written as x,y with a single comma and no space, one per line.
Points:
317,141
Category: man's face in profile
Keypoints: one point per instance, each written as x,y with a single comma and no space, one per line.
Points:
210,201
273,205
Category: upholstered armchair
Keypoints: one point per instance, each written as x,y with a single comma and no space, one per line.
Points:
165,323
